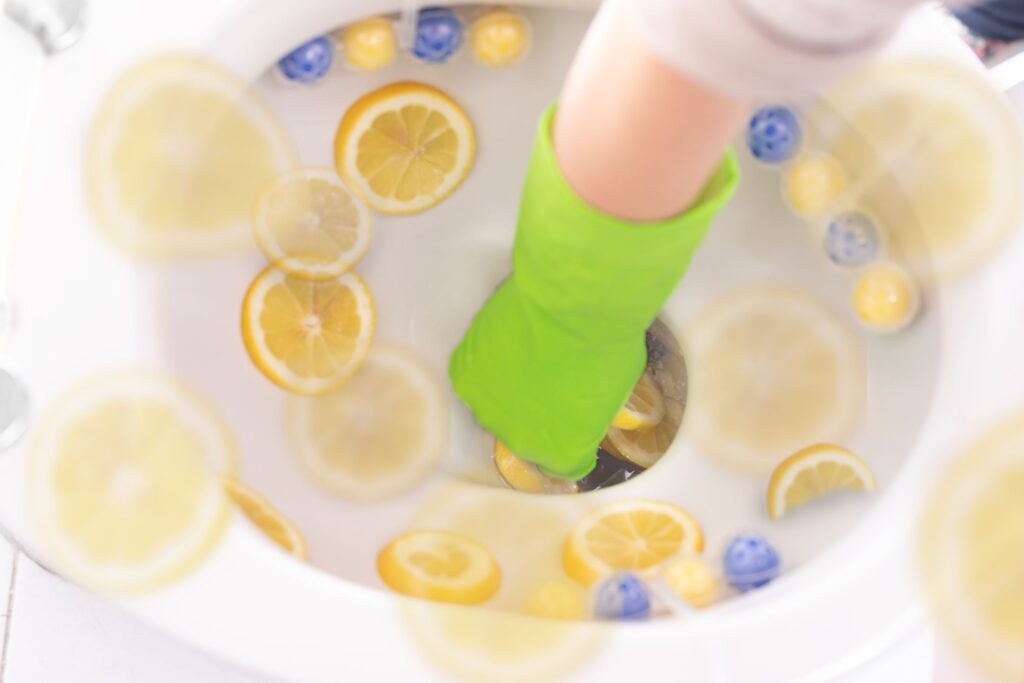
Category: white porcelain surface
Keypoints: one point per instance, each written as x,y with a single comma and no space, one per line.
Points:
254,607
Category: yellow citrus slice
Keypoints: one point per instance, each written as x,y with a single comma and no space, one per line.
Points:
439,565
634,535
122,482
380,434
644,448
971,554
525,476
948,142
812,472
307,336
176,156
558,599
307,222
405,147
266,517
771,370
644,408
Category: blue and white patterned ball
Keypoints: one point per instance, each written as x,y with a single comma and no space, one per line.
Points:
438,35
750,562
774,135
308,62
622,596
852,239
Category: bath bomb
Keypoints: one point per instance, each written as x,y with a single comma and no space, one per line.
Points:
692,580
622,596
309,62
369,45
499,38
773,135
812,184
750,562
852,239
438,35
885,298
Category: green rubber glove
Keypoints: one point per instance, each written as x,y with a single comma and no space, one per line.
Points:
555,352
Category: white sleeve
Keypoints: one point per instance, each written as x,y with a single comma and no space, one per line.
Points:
763,48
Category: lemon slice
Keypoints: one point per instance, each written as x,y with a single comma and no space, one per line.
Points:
439,565
307,336
971,555
266,517
812,472
952,146
308,223
122,483
634,535
525,476
644,448
644,408
558,599
771,370
405,147
379,435
176,156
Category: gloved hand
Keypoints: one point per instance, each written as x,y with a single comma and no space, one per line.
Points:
556,351
765,48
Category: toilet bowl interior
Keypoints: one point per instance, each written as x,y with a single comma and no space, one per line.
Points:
429,274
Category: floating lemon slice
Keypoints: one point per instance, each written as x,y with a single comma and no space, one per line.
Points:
266,517
525,476
308,223
949,143
971,555
812,472
634,535
176,156
439,565
558,599
379,435
771,370
644,408
405,147
307,336
122,483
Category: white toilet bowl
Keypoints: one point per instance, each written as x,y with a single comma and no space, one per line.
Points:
849,592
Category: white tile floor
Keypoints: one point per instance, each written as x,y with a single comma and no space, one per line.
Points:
54,632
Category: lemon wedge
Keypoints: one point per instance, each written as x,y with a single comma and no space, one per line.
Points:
266,517
525,476
815,471
644,408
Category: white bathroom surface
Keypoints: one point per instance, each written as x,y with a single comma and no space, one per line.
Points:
54,632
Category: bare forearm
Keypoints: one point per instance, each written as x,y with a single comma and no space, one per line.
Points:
633,137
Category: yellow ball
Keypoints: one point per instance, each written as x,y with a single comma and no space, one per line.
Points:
813,183
558,599
369,45
692,579
499,38
885,298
